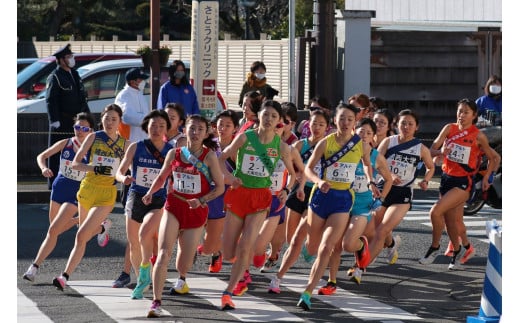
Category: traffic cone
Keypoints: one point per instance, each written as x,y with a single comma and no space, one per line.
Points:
491,301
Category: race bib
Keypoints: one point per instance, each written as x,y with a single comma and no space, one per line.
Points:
186,183
360,184
70,173
405,171
459,154
253,166
107,161
341,172
146,175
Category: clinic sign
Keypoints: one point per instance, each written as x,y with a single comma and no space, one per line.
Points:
204,55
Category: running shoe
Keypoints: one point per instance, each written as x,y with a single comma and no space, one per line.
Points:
468,254
259,260
328,289
270,264
121,281
153,259
363,255
180,287
351,270
155,309
240,288
102,238
216,263
30,274
274,285
305,302
247,277
430,255
356,275
392,255
143,282
199,250
60,282
227,302
449,249
306,256
454,261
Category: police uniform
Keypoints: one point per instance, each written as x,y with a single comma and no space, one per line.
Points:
65,98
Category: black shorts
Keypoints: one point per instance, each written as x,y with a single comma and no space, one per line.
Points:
448,182
398,195
296,205
137,210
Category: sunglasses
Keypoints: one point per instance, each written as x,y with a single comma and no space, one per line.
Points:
84,129
286,121
312,108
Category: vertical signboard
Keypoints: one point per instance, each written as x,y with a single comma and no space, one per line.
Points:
204,55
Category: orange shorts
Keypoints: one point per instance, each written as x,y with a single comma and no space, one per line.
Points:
242,201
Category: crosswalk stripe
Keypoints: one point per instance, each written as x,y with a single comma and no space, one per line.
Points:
28,310
248,308
361,307
115,302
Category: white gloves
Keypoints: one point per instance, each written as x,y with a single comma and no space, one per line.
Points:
55,124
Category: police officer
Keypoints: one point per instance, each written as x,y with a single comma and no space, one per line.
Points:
65,98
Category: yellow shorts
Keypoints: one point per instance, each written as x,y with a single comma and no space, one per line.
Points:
90,195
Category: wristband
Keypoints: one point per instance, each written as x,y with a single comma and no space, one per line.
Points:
202,200
491,177
373,183
286,190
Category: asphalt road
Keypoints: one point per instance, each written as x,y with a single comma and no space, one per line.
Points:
406,291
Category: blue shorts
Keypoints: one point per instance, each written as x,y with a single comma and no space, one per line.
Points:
334,201
362,205
64,190
275,204
448,182
296,205
216,208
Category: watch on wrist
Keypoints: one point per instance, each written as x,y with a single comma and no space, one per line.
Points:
382,199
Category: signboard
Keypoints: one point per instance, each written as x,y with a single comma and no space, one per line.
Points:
204,55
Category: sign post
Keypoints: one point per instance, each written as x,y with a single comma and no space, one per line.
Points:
204,55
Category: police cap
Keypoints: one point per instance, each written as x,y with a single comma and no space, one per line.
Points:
134,74
62,52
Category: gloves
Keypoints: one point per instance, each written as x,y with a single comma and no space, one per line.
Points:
55,125
103,170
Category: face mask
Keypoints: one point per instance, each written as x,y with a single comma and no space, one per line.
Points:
71,62
259,76
495,89
178,74
141,85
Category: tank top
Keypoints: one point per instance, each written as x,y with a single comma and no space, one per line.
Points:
279,177
105,152
188,182
306,146
404,162
341,173
66,157
145,168
250,168
465,152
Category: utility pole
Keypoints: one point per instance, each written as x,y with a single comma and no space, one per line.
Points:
325,58
155,79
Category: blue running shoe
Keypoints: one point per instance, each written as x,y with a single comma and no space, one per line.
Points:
306,256
305,302
143,282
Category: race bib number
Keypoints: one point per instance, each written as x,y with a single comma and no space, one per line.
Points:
459,154
360,184
253,166
405,171
186,183
107,161
341,172
276,182
146,175
70,173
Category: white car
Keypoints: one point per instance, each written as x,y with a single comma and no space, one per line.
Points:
102,81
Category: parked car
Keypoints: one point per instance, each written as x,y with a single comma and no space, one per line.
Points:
24,62
102,81
31,80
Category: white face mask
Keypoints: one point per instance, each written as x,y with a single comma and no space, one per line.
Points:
495,89
71,62
259,76
142,85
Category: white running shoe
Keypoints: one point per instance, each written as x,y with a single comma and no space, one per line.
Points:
274,285
30,274
430,256
392,254
102,238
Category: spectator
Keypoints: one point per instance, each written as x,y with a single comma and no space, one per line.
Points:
256,81
178,90
492,100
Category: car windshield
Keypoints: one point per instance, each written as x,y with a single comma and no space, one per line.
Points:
30,70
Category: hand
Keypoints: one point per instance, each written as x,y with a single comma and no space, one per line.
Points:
147,199
103,170
300,194
128,180
423,184
47,172
323,186
236,182
55,125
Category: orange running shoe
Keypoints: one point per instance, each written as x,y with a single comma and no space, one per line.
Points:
227,302
328,289
216,263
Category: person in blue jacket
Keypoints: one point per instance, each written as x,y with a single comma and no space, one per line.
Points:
492,100
178,90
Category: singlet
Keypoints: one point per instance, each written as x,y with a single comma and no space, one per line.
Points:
105,152
341,173
188,182
173,141
306,146
404,162
360,184
465,151
66,157
250,168
145,168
